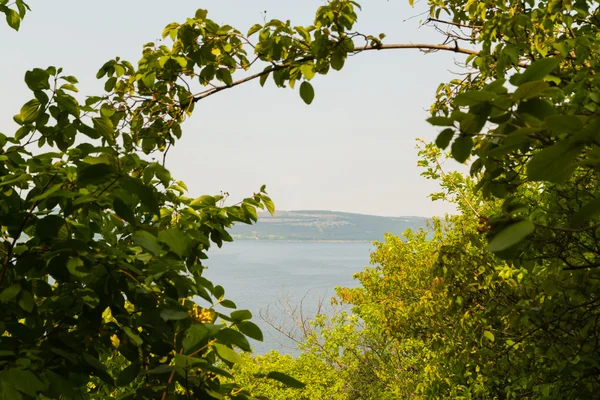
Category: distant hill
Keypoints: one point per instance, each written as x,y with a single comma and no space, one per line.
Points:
324,225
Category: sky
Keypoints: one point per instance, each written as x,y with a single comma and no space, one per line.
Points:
351,150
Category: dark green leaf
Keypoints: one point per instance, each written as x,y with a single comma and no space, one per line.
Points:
558,124
285,379
251,330
307,92
241,315
133,336
26,301
168,314
123,210
10,293
230,336
228,304
444,138
337,59
472,98
99,368
93,174
24,380
49,226
128,374
589,211
461,148
440,121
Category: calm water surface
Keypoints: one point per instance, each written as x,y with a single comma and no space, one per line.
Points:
256,274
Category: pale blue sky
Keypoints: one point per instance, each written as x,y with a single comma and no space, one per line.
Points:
351,150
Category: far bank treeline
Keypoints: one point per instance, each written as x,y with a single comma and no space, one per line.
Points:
316,225
102,249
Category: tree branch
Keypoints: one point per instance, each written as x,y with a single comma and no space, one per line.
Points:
357,49
418,46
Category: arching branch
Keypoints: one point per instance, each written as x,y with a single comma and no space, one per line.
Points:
359,49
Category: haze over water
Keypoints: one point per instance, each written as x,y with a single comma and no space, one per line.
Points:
255,274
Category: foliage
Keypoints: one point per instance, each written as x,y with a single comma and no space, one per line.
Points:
14,12
322,382
102,249
474,325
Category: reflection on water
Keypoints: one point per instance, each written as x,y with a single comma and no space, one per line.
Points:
256,273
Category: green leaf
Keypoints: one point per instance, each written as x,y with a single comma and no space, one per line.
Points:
441,121
268,204
285,379
224,76
24,380
93,174
105,127
307,92
12,18
227,354
473,98
99,368
176,240
68,103
554,163
489,335
194,335
88,296
308,70
123,210
255,28
26,301
168,315
589,211
230,336
461,148
163,369
251,330
558,124
241,315
444,138
133,336
228,304
30,110
49,226
529,90
337,59
170,30
129,374
10,293
47,193
511,235
218,292
536,71
147,241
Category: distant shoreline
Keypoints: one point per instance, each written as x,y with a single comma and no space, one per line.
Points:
302,240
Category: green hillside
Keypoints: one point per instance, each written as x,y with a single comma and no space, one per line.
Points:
324,225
